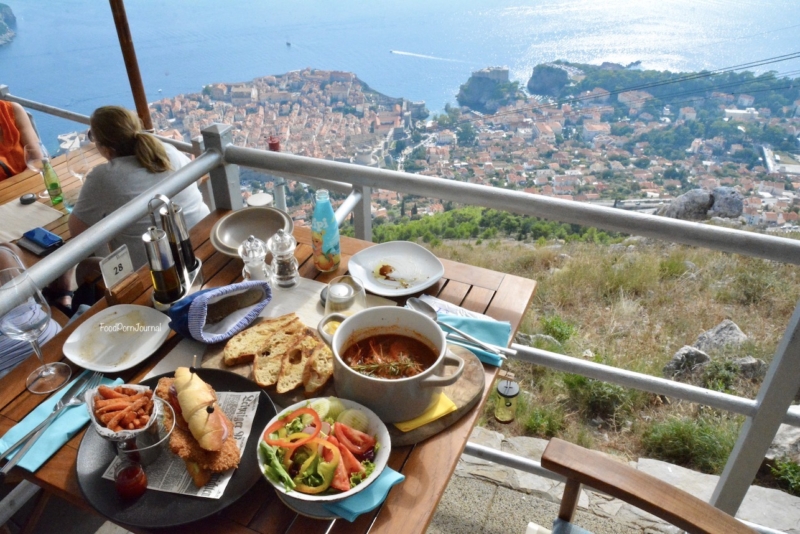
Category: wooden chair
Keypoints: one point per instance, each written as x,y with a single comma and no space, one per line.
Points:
582,466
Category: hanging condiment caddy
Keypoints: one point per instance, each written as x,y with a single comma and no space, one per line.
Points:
170,248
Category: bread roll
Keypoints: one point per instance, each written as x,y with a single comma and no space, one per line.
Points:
207,422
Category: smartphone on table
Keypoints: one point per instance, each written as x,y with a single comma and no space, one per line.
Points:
40,241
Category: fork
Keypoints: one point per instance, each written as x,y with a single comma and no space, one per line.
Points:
75,400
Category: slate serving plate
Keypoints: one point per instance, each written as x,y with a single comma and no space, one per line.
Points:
158,509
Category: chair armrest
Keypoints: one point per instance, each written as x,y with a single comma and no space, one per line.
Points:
646,492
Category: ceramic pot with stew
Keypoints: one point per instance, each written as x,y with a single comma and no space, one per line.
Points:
391,360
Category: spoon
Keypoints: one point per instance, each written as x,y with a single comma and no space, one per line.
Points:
426,309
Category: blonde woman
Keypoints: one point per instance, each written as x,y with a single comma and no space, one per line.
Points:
136,162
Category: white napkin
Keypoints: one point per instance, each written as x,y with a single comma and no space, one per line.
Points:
17,218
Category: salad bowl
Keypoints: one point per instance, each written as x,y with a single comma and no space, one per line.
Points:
299,500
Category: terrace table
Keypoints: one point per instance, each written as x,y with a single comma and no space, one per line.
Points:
31,182
427,466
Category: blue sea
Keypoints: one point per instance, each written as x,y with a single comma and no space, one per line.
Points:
67,53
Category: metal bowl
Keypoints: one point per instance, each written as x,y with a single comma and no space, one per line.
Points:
237,226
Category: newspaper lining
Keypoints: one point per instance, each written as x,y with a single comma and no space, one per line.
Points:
168,473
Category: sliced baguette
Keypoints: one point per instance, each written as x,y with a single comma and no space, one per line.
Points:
294,361
269,360
243,347
318,370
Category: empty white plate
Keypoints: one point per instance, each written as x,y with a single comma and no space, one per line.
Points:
117,338
396,268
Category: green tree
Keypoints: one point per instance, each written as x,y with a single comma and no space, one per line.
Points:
466,134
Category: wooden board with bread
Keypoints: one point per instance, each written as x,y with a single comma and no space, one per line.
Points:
279,353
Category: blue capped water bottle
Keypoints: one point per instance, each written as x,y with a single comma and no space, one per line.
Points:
325,234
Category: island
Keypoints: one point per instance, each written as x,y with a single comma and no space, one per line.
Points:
7,24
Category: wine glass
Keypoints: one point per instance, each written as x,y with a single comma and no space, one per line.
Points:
35,155
78,167
27,322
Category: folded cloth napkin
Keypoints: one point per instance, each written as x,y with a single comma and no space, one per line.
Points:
487,330
66,425
369,498
214,315
442,407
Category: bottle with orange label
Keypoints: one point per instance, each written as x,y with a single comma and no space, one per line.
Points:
324,234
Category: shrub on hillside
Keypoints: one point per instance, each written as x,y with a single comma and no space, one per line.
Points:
594,398
544,421
787,473
703,443
558,328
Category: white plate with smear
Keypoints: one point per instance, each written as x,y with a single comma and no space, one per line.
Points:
117,338
396,268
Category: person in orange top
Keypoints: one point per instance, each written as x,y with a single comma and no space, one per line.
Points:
16,131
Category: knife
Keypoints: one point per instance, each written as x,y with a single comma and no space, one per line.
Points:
73,391
504,351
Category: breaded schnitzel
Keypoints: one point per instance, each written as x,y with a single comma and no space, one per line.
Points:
183,444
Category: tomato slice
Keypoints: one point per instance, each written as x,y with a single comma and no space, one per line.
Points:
350,462
356,441
280,423
341,480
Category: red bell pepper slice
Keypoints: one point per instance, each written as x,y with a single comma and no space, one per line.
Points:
280,423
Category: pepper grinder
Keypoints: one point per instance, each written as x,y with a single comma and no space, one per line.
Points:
253,252
285,272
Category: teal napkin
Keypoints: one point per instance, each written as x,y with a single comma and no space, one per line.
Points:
487,330
66,425
368,499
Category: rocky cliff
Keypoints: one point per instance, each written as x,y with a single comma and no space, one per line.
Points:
487,90
7,24
547,80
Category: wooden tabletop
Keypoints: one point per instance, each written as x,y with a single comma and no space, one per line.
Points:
427,466
31,182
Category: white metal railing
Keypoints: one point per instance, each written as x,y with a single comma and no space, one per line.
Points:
763,415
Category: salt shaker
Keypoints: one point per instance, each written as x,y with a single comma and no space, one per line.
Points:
253,251
284,265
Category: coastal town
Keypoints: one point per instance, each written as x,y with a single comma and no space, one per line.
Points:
579,150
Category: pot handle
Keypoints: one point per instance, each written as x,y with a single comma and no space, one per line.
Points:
441,381
328,338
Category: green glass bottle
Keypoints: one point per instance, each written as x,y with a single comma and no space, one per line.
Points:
51,182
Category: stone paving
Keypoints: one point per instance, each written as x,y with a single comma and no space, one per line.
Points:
486,497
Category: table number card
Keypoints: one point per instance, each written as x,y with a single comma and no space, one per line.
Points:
116,266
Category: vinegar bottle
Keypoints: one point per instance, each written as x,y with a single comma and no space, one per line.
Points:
51,181
324,234
163,272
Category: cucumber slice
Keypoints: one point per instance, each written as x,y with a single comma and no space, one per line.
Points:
336,407
355,419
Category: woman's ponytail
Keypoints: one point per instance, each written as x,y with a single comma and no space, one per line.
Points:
120,130
151,154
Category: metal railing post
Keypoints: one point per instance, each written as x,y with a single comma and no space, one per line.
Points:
774,397
279,191
363,214
224,179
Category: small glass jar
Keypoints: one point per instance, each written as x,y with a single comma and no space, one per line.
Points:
285,271
130,480
506,407
253,252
